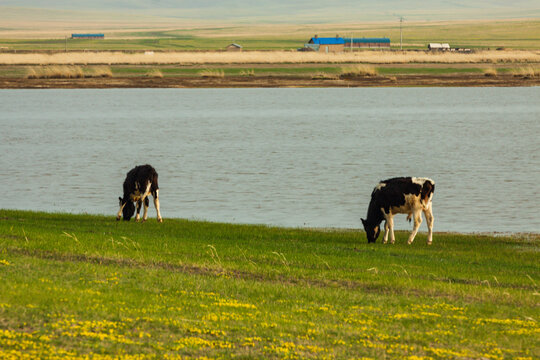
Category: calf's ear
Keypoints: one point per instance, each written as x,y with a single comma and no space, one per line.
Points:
363,222
120,200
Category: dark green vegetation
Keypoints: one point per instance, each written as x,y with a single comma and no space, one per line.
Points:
78,285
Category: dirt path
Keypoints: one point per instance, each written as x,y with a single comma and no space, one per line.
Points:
270,81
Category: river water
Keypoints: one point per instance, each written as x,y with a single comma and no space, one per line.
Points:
289,157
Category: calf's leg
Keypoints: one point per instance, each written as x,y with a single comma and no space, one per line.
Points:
156,204
428,213
385,240
391,228
417,222
119,215
139,203
145,203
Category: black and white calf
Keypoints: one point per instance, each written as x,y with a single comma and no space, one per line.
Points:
403,195
141,181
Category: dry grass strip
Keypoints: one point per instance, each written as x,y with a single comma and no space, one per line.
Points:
265,57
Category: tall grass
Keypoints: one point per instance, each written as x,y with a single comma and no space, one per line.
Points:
359,70
212,73
528,71
490,72
66,72
247,72
322,75
98,71
54,72
154,73
274,57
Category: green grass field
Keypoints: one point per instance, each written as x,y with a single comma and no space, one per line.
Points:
512,34
89,287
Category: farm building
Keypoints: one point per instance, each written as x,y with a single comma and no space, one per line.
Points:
438,46
88,36
328,44
233,47
367,42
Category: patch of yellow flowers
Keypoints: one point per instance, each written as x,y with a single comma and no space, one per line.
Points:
206,325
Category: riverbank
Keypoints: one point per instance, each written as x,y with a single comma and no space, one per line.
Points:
275,81
267,69
82,285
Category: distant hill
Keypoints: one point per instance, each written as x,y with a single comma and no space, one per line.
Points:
285,11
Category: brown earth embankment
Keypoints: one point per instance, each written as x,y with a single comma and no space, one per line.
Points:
448,80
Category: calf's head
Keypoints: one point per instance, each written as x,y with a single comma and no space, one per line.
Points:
128,209
372,231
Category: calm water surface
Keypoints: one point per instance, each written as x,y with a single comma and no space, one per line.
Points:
292,157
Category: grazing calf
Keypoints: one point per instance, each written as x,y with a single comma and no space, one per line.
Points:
141,181
403,195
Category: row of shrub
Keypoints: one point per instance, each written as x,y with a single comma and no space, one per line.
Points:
347,71
67,72
525,71
76,72
359,70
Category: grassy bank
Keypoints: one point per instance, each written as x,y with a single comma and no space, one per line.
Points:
252,70
76,286
18,71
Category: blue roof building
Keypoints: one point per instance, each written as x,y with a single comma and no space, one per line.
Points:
326,41
326,44
367,42
337,44
87,36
